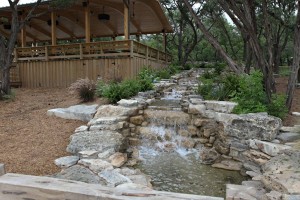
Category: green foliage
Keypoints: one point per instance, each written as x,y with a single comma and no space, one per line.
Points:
284,70
84,88
251,96
277,106
246,90
146,78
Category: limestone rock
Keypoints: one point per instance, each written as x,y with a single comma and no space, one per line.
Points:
106,154
196,109
96,165
95,141
114,178
273,195
107,120
67,161
253,126
288,137
118,159
257,157
81,129
209,155
141,180
88,154
166,117
293,129
220,106
112,127
242,192
229,165
78,173
110,110
268,147
137,120
79,112
128,103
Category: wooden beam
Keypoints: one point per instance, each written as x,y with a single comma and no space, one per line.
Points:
126,20
87,24
53,28
39,29
23,36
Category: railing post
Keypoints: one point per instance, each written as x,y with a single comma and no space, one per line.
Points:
147,53
15,55
131,48
80,51
46,53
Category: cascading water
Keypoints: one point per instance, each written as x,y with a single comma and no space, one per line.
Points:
171,157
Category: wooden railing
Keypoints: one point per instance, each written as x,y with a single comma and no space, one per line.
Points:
90,50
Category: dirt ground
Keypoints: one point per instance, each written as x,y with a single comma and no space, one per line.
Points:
30,140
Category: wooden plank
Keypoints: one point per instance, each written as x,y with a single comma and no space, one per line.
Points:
53,28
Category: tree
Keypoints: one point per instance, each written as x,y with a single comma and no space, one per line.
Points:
296,62
7,45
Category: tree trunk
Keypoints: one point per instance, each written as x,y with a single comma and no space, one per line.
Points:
210,38
295,66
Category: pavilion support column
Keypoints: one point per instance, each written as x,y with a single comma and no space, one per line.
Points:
126,19
53,28
23,37
87,24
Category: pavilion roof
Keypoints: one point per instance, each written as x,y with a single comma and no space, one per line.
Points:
146,17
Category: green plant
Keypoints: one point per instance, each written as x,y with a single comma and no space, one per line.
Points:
84,88
146,78
251,96
277,106
113,92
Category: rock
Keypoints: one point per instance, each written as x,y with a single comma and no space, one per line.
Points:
96,165
212,139
252,174
293,129
257,156
203,140
88,154
128,103
196,109
221,147
141,180
81,129
284,162
198,122
296,114
114,111
183,133
112,127
229,165
137,120
79,112
273,195
268,147
114,178
106,154
288,137
107,121
95,141
187,143
209,155
220,106
287,182
253,126
255,184
128,171
252,167
290,197
118,159
166,117
242,192
78,173
67,161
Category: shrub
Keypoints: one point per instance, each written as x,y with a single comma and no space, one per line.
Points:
251,96
146,78
113,92
277,106
84,88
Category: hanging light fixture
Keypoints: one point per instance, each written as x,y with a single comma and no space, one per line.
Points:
103,17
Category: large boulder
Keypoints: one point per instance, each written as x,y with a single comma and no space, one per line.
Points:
253,126
110,110
99,141
79,112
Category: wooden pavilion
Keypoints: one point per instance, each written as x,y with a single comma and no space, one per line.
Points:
64,45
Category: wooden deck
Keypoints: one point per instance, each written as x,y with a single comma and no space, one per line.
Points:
61,65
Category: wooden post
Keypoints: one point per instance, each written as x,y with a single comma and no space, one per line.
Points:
131,49
81,51
126,19
53,28
2,170
87,24
46,53
23,36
